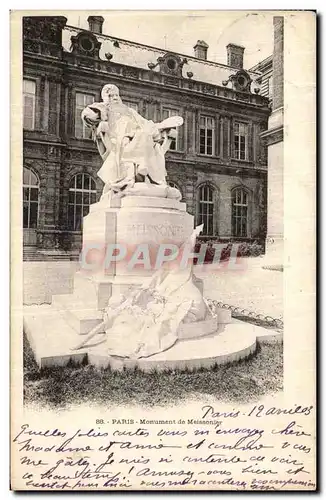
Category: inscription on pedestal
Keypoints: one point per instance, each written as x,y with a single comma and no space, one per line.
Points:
166,229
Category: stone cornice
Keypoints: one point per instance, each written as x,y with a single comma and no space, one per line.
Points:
151,48
100,68
273,136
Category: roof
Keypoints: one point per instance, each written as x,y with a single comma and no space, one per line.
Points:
139,55
263,65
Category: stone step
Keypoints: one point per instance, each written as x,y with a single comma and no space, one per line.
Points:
81,316
232,343
51,338
53,341
99,288
33,254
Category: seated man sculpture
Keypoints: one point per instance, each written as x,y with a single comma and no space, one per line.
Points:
131,147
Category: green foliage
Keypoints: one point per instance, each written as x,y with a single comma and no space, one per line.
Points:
245,249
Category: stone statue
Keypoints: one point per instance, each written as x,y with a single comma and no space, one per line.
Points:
148,320
131,147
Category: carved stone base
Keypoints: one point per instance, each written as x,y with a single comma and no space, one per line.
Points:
52,340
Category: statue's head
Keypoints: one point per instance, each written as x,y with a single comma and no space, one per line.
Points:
110,94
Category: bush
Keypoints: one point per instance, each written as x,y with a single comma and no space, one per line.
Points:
245,249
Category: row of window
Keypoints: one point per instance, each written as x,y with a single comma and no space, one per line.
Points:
207,131
82,193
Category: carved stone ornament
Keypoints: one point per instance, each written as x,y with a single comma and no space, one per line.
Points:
86,44
170,64
241,81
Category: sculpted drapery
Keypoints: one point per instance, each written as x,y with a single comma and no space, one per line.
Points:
132,148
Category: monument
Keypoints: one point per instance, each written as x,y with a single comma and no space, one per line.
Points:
136,300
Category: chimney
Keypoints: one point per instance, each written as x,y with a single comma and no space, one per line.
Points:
235,55
95,24
201,49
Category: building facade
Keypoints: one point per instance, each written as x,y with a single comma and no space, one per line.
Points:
218,160
265,80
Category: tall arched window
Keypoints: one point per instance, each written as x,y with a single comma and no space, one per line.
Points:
240,213
205,209
30,199
82,193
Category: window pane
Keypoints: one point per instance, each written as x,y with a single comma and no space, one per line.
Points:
34,194
79,181
29,111
26,176
79,128
86,182
78,198
86,198
33,179
80,99
30,198
71,198
87,132
89,99
210,123
33,215
210,226
28,123
240,213
205,209
71,217
78,218
25,215
29,86
206,136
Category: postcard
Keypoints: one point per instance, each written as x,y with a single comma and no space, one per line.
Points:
163,184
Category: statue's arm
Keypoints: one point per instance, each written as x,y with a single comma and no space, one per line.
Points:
95,117
94,113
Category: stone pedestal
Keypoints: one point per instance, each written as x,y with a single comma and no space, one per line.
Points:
133,222
136,223
54,331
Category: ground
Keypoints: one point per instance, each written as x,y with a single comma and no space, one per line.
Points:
250,288
241,382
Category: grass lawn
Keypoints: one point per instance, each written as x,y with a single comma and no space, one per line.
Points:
240,382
